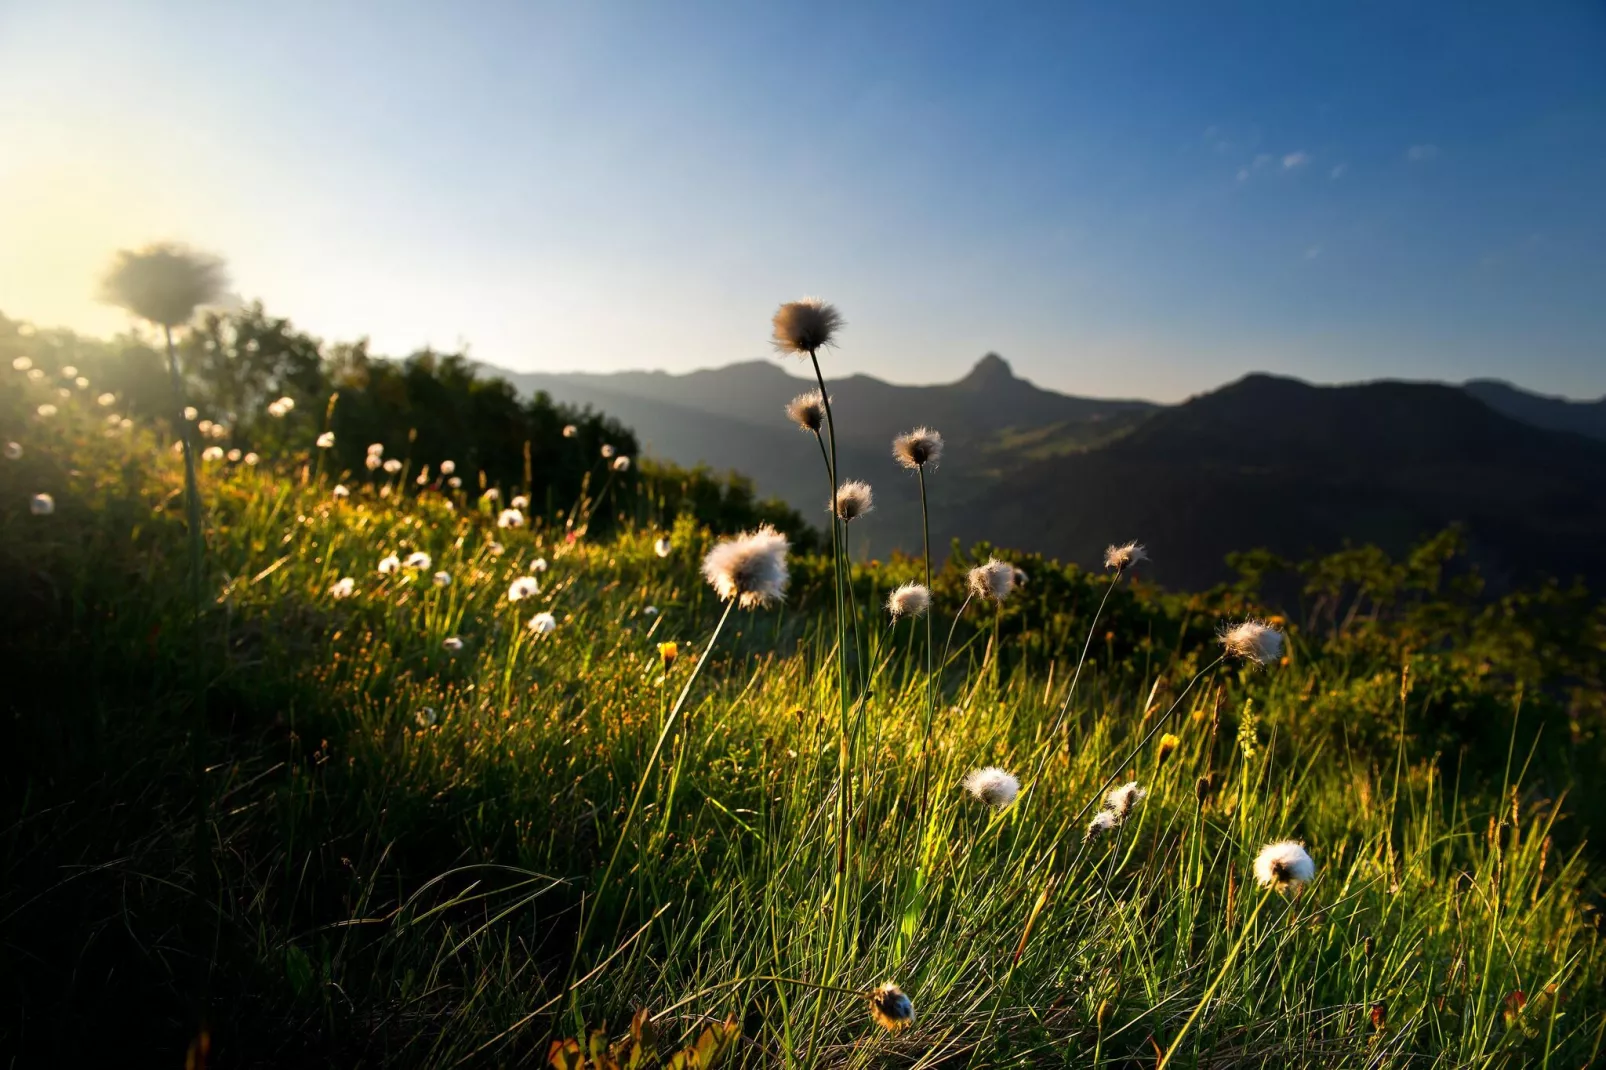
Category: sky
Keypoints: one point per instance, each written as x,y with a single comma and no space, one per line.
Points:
1132,199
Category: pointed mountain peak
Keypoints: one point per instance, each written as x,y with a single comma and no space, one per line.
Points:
990,371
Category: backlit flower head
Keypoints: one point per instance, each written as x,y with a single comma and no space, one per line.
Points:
448,467
569,430
1168,743
807,410
992,579
373,462
1102,822
853,500
621,464
376,449
22,364
917,448
805,326
212,453
234,456
519,502
662,546
13,451
910,600
538,565
1124,556
510,518
418,559
389,564
341,491
392,466
543,623
750,568
163,284
608,452
191,412
1283,865
442,579
250,459
46,410
994,786
344,587
522,588
326,440
1121,800
891,1009
1254,640
452,644
41,505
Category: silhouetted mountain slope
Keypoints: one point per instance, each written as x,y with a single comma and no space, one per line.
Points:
1551,413
1301,469
733,417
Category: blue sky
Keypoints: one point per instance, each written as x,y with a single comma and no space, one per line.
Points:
1123,199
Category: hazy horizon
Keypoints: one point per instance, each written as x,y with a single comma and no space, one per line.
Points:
1122,202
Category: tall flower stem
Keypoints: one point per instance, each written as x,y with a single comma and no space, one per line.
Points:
192,511
1221,975
931,678
844,758
1059,718
644,780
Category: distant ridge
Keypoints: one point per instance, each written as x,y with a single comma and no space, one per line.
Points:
1263,461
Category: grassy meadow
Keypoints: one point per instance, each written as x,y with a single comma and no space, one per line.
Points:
401,827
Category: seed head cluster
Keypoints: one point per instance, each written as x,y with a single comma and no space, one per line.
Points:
750,568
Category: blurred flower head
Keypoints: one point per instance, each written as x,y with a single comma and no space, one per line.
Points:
389,564
452,644
41,505
621,464
442,579
326,440
543,623
891,1009
164,284
522,588
344,587
662,546
418,559
510,518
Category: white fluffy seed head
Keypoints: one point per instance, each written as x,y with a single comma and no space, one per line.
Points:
992,579
569,430
452,644
1121,800
448,467
418,559
41,505
750,568
344,587
326,440
1283,865
1124,556
917,448
621,464
1254,640
910,600
388,564
442,579
510,518
853,500
662,546
802,327
807,411
543,623
522,588
994,786
1102,822
164,283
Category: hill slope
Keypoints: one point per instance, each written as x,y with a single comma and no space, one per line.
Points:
1301,469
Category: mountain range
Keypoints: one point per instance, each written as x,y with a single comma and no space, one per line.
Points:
1265,461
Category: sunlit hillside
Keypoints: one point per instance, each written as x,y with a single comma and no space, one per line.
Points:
481,740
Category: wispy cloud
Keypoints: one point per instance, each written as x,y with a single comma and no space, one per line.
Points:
1422,153
1313,252
1295,159
1243,174
1339,171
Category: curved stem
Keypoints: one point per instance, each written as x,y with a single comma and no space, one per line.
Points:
1059,718
931,680
646,776
1221,975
